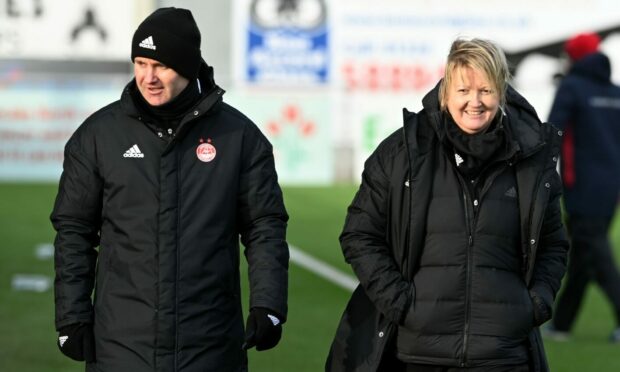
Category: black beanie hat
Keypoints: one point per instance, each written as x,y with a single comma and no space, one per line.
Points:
170,36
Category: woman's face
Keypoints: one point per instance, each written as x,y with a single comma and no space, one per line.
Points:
471,100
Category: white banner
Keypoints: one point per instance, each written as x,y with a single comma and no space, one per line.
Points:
388,54
67,29
348,67
36,122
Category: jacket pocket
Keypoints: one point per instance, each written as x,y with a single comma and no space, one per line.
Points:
541,311
103,271
523,320
409,315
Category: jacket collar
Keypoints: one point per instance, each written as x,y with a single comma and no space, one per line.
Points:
523,124
595,66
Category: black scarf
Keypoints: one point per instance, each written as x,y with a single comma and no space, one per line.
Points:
473,152
170,114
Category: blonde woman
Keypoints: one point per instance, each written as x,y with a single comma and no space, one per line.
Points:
455,233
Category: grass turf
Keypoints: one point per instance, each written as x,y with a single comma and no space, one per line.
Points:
27,336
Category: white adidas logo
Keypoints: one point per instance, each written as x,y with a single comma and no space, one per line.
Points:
458,159
133,152
274,320
148,43
62,340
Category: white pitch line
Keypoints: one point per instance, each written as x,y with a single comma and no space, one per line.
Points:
322,269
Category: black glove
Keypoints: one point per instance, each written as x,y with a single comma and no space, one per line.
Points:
77,342
542,312
263,329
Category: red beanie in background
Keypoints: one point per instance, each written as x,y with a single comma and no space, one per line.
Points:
581,45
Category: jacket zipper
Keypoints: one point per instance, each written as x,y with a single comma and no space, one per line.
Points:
178,257
470,222
470,243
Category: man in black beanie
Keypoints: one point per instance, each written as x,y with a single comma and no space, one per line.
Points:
165,181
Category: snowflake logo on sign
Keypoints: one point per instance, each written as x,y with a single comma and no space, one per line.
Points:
291,116
206,151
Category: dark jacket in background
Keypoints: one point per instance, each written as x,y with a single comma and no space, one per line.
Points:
587,109
386,229
166,274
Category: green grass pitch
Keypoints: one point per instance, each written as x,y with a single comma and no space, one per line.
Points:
27,336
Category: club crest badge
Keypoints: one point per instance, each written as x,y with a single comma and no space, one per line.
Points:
206,152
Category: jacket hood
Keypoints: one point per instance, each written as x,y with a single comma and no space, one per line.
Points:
520,118
206,77
595,66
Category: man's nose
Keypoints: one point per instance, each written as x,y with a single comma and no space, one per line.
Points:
150,75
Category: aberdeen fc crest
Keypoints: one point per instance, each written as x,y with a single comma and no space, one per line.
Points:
206,151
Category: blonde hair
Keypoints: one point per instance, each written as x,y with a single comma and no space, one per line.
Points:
479,54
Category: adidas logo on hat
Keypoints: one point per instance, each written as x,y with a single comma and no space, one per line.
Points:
148,43
178,41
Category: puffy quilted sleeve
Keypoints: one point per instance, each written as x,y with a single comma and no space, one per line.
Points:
76,217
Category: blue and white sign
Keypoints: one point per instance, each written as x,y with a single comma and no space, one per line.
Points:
287,42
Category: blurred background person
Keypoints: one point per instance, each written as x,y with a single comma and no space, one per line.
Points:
587,108
456,232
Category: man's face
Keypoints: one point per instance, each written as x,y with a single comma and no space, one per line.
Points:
158,83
